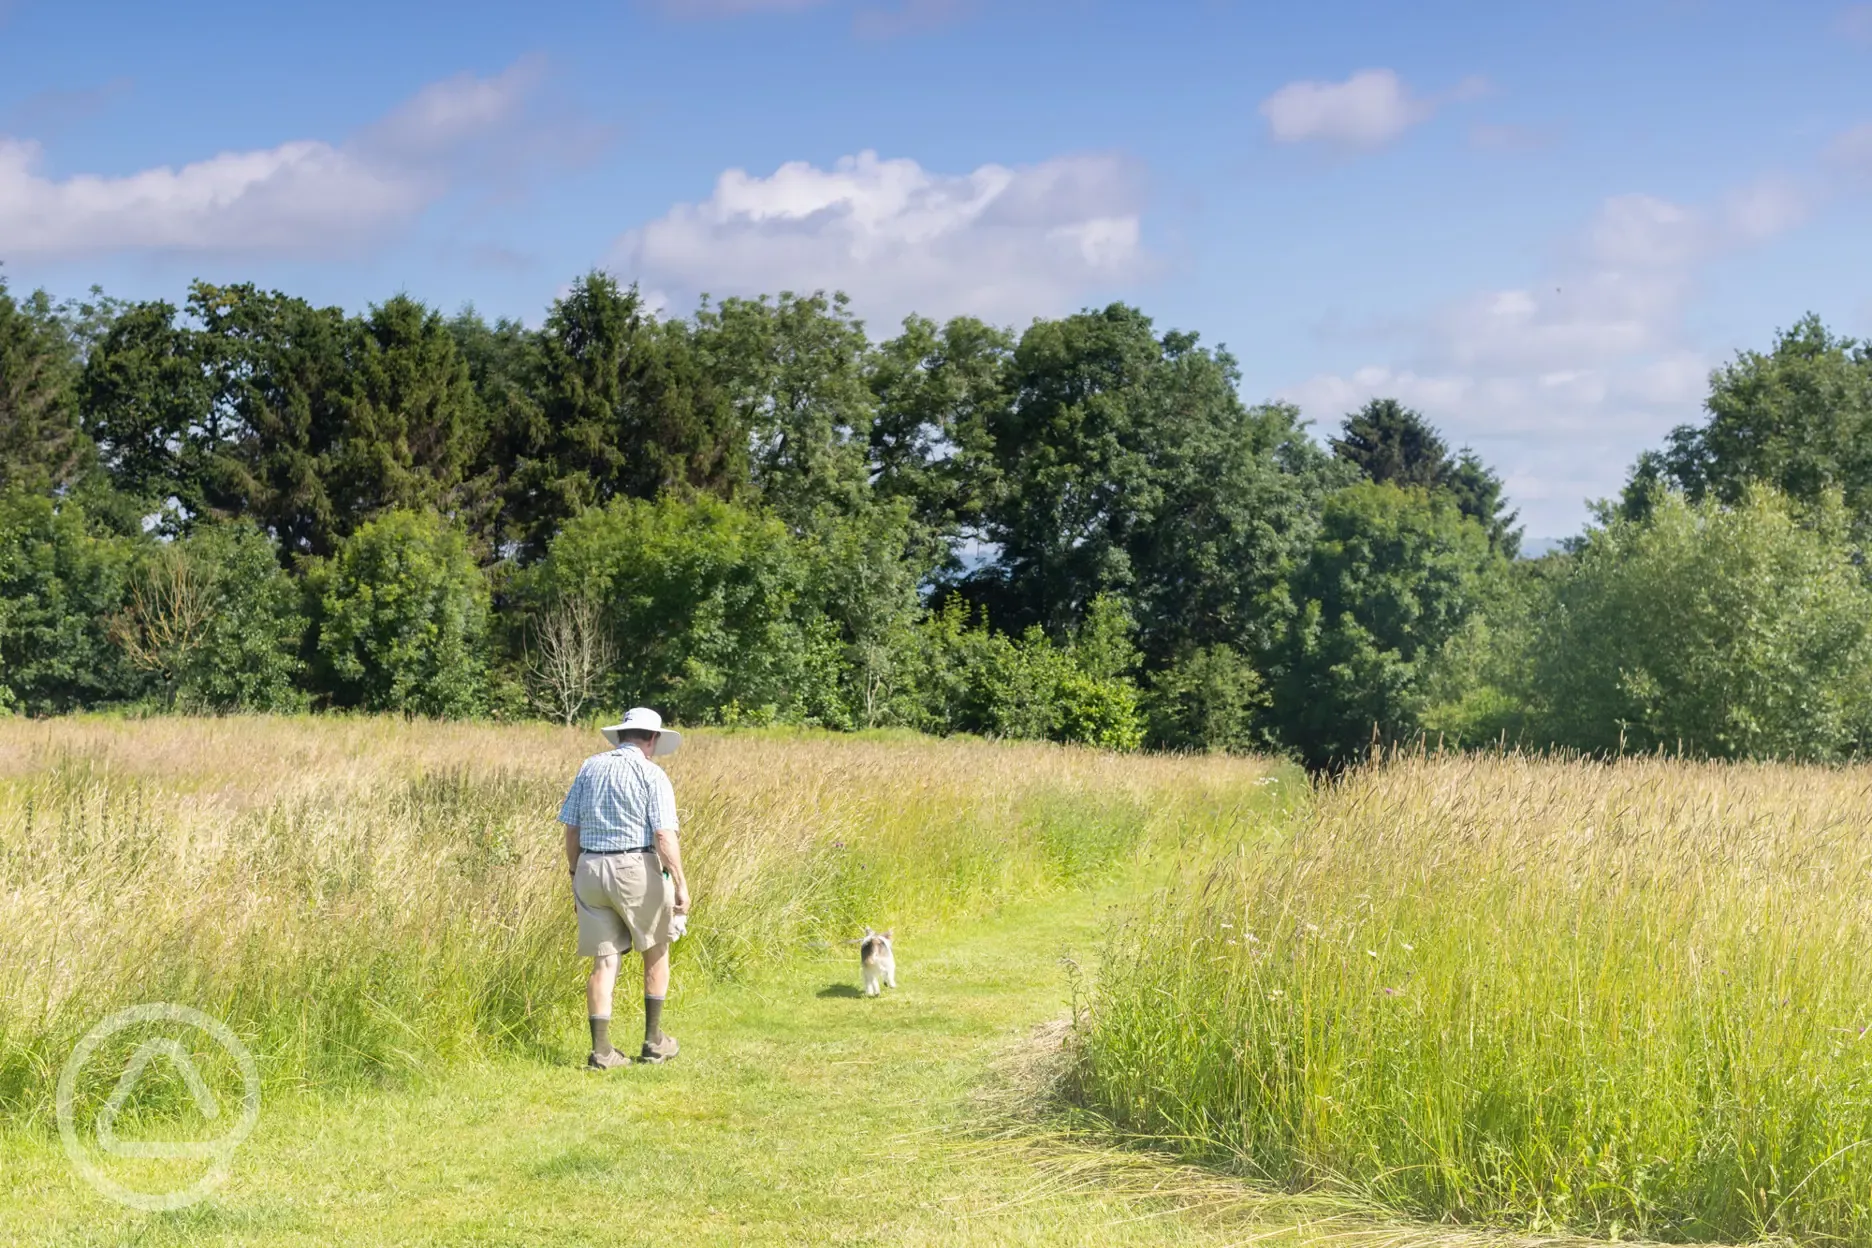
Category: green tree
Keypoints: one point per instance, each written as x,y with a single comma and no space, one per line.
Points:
1735,631
1073,454
1388,442
214,621
59,585
1797,418
411,426
281,376
864,576
504,368
1208,699
151,405
249,660
939,393
1393,577
625,408
1127,464
400,618
42,447
796,371
1243,488
710,605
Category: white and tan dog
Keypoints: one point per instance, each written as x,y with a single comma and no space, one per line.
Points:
875,962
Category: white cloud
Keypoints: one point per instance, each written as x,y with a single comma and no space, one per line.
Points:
1560,384
1369,109
461,109
308,194
1003,243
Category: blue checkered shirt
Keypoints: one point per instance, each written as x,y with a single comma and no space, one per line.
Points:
619,801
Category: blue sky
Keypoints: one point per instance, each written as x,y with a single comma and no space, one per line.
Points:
1542,224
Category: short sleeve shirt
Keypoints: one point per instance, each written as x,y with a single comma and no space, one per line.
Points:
618,801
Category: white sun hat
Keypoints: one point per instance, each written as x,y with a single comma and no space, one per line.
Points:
643,719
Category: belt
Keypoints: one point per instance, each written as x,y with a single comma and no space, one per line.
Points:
606,853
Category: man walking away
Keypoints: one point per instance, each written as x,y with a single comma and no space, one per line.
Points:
627,875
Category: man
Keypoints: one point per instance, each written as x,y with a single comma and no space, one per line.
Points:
627,876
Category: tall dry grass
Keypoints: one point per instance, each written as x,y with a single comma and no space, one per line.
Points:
360,897
1627,999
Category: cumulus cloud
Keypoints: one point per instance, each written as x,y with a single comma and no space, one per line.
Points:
1001,242
1561,383
1369,109
308,194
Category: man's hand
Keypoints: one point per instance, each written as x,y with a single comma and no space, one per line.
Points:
682,899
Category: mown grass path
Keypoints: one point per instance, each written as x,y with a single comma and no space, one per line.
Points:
799,1113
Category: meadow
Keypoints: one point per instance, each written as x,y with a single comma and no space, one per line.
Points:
365,899
1444,1000
1629,1000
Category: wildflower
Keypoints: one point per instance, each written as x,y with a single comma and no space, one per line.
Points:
838,844
1371,953
1408,947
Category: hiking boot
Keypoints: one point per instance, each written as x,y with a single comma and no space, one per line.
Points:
664,1049
611,1059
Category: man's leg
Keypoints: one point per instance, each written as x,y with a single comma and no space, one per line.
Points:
598,999
656,988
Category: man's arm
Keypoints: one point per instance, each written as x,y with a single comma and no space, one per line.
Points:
671,853
663,819
569,815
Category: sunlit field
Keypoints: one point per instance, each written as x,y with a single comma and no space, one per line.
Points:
1630,1000
363,898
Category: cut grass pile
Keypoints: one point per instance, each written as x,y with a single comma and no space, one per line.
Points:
1630,1000
361,898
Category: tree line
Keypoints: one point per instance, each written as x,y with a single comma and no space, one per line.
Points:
758,513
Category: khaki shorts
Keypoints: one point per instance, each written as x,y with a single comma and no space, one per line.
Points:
624,903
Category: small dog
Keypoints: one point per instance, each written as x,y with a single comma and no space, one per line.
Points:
875,962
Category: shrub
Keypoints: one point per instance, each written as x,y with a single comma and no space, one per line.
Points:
1392,578
1206,700
216,621
707,603
59,584
401,619
1731,631
981,681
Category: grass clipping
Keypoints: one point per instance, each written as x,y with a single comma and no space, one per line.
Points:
362,898
1627,1000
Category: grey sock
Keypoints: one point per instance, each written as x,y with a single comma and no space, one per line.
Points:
601,1034
653,1019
